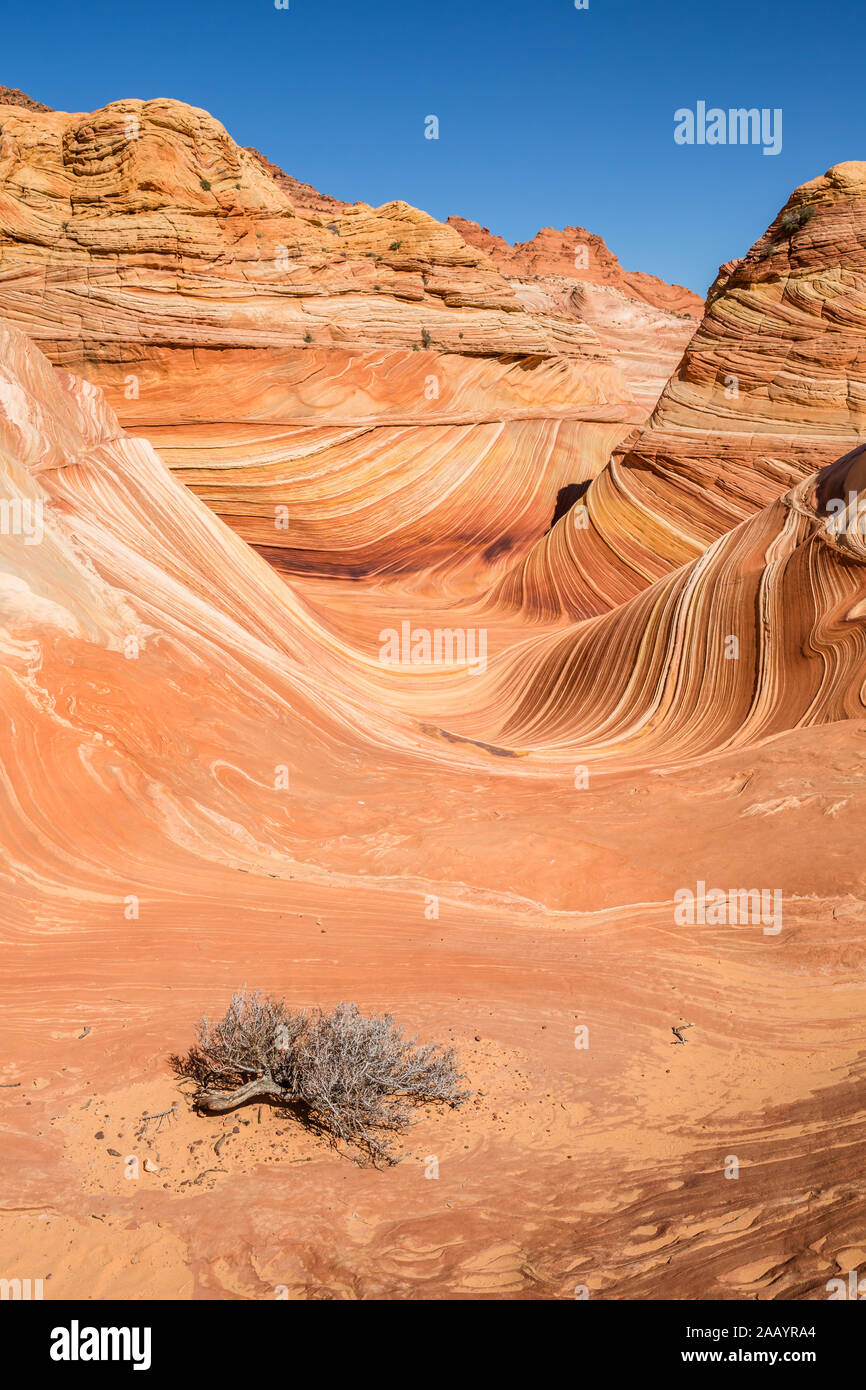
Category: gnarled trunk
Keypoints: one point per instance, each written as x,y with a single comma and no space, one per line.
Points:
217,1101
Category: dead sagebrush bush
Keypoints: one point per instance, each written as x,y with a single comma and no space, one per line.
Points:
345,1074
241,1044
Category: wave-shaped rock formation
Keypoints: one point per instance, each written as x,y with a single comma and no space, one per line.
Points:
203,784
779,583
772,386
544,789
642,323
343,363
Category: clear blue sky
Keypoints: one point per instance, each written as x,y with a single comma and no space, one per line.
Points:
549,116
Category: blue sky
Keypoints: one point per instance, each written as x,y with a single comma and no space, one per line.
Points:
549,116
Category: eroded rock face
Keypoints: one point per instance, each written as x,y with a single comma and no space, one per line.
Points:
772,385
642,322
11,96
645,342
686,667
573,253
328,360
781,351
158,681
208,774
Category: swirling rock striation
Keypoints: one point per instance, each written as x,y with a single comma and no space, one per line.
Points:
297,361
772,386
209,774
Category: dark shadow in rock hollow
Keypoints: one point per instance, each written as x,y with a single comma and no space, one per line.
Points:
566,498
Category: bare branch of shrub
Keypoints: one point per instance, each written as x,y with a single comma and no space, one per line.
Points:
352,1077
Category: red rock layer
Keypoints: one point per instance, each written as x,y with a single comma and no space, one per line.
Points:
703,660
11,96
772,386
643,323
209,774
368,363
554,252
158,679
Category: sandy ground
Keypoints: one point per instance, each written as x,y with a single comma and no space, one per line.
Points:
574,1171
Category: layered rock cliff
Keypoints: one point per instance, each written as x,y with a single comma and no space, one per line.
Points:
351,366
642,322
772,385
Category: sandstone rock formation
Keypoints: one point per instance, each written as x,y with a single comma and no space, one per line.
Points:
642,322
329,364
211,772
159,679
772,386
11,96
573,253
703,660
